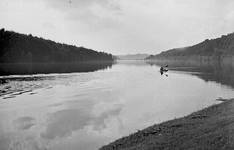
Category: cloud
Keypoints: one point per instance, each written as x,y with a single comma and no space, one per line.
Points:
121,26
67,5
24,123
62,123
100,13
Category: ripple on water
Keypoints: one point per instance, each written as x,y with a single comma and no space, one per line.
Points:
18,85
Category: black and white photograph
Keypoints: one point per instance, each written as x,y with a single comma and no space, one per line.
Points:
116,74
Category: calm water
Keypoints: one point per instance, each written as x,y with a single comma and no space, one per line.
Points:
83,111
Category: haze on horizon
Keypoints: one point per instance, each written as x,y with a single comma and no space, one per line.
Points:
120,26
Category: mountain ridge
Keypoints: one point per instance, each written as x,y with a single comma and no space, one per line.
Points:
21,48
138,56
223,45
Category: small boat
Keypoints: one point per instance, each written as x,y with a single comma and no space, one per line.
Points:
163,69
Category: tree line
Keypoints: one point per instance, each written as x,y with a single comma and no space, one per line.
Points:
22,48
215,47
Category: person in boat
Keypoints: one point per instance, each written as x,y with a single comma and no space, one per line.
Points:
163,69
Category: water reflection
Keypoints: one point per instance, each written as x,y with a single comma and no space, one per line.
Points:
45,68
24,123
215,72
90,109
17,85
62,123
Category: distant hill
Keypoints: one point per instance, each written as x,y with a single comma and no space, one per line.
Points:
219,50
132,57
21,48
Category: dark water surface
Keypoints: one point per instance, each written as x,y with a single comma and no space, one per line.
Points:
83,111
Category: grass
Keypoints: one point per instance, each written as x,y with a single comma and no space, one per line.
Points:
209,129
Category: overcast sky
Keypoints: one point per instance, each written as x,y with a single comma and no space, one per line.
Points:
120,26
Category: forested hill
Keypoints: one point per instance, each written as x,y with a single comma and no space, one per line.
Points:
21,48
223,46
132,57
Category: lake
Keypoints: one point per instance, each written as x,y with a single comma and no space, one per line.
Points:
85,110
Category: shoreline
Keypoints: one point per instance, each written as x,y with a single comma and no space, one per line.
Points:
209,128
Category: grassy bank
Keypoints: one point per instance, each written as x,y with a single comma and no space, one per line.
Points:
211,128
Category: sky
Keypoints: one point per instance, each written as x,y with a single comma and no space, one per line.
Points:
120,26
